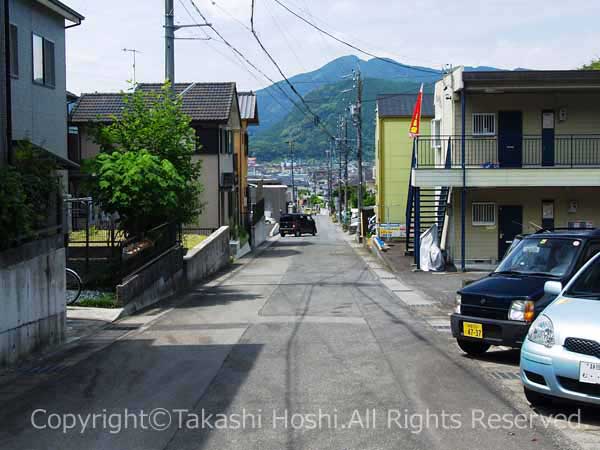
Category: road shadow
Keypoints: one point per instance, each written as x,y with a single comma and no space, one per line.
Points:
509,357
132,377
214,296
284,242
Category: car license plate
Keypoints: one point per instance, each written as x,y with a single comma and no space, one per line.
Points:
474,330
589,372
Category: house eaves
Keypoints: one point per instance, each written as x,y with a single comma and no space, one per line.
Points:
60,8
531,80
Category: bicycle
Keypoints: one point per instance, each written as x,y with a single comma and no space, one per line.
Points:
74,286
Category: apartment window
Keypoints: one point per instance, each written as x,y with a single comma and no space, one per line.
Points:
484,214
484,124
44,66
436,141
14,51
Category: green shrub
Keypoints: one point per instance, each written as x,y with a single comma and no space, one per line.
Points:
26,194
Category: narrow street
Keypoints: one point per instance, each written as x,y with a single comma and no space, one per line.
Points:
305,328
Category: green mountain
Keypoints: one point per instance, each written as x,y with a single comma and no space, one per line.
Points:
328,102
328,91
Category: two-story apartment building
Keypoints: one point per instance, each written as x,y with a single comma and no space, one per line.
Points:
516,151
215,114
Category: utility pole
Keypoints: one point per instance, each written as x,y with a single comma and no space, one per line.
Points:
294,201
329,174
170,29
133,51
358,123
346,151
339,152
169,41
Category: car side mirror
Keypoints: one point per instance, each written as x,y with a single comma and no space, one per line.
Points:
553,287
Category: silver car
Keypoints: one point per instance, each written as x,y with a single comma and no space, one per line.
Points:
561,355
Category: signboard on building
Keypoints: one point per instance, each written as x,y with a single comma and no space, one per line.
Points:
392,230
581,224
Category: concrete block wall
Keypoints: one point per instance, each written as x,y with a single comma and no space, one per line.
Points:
32,298
208,257
155,281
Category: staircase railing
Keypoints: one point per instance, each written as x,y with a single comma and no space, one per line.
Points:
410,198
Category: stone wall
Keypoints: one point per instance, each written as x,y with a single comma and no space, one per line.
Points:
208,257
32,298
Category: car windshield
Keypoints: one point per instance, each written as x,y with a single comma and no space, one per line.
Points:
587,284
541,256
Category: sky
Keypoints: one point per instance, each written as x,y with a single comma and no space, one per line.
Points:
535,34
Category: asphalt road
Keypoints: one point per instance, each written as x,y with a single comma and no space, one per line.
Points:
301,330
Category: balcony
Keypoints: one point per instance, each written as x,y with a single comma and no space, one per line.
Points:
531,151
567,160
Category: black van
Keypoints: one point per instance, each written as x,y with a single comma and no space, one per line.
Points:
297,224
498,309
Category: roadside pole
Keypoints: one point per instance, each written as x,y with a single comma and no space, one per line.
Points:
358,123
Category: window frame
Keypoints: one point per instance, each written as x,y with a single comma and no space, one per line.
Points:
436,141
45,81
474,117
14,50
484,223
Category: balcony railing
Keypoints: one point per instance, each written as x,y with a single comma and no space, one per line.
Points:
490,152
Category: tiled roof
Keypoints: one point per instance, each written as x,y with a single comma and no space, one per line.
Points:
97,107
201,101
402,105
248,108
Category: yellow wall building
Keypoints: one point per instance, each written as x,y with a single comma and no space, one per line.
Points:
394,152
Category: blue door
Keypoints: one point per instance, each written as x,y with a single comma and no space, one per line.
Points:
510,138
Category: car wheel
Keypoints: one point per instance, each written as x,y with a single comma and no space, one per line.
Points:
314,233
536,398
297,234
282,234
473,348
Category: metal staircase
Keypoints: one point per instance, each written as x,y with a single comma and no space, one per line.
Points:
433,203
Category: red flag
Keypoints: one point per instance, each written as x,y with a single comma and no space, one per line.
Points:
415,123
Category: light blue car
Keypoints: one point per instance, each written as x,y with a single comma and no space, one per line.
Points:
561,354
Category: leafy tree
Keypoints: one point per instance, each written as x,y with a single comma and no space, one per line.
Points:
27,194
145,171
593,65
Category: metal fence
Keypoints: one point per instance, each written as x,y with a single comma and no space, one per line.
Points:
567,151
102,252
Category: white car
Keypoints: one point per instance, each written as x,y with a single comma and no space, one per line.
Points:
561,354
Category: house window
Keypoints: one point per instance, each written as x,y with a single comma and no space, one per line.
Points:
436,141
484,214
44,66
484,124
14,51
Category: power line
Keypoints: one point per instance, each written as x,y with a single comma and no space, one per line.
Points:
317,119
241,55
352,46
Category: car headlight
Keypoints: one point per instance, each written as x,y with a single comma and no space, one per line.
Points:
542,331
458,303
522,310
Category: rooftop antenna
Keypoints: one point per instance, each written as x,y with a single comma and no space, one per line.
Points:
133,51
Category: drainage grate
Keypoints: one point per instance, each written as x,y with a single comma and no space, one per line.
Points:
506,375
